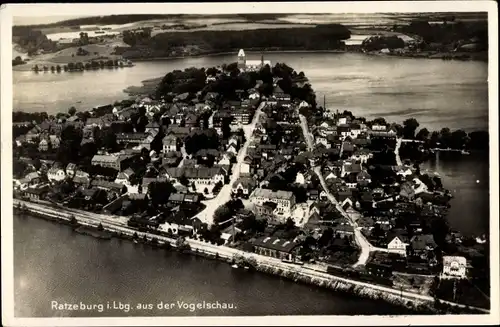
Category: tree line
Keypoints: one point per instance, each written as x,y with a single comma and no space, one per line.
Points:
322,37
80,66
446,138
31,39
193,80
451,32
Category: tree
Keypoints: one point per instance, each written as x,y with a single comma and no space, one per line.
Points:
290,224
379,121
184,180
410,125
88,150
445,137
479,140
326,237
235,205
434,139
100,227
159,192
73,220
422,134
222,213
182,244
70,144
458,139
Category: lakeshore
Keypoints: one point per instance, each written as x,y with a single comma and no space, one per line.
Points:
415,302
424,55
372,80
167,279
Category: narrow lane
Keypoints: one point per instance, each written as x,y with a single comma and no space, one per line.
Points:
224,195
361,241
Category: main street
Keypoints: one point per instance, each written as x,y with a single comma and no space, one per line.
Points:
224,195
362,242
396,151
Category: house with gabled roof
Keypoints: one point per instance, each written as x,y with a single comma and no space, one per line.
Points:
56,174
397,242
43,146
280,95
349,167
454,266
124,176
170,143
243,187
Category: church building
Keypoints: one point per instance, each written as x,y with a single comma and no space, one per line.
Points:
251,65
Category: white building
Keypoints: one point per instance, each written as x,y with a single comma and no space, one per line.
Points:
203,179
398,244
56,174
251,65
169,143
342,121
455,266
245,168
304,104
284,200
300,178
377,127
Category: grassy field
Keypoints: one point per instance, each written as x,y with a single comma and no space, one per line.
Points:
65,56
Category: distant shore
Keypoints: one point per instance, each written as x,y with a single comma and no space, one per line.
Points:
465,56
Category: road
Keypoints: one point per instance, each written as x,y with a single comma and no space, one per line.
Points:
224,195
184,155
363,244
396,151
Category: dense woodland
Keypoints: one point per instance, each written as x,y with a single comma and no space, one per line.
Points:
448,33
321,37
32,40
192,80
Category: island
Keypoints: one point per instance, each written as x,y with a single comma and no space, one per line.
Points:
241,163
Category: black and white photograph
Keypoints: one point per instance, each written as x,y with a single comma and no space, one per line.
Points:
249,163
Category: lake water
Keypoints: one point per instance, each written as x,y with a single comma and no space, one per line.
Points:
437,93
468,180
53,263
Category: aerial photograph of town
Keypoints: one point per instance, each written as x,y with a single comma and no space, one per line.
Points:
251,165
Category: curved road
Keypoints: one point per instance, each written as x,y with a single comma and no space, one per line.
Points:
363,244
396,151
224,195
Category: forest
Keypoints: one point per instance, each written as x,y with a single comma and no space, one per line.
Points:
321,37
451,32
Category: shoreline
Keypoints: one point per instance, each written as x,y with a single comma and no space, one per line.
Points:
437,55
416,55
416,302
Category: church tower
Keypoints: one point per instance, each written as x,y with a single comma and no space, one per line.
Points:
241,59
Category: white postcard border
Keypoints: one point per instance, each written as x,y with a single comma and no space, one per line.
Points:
29,10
